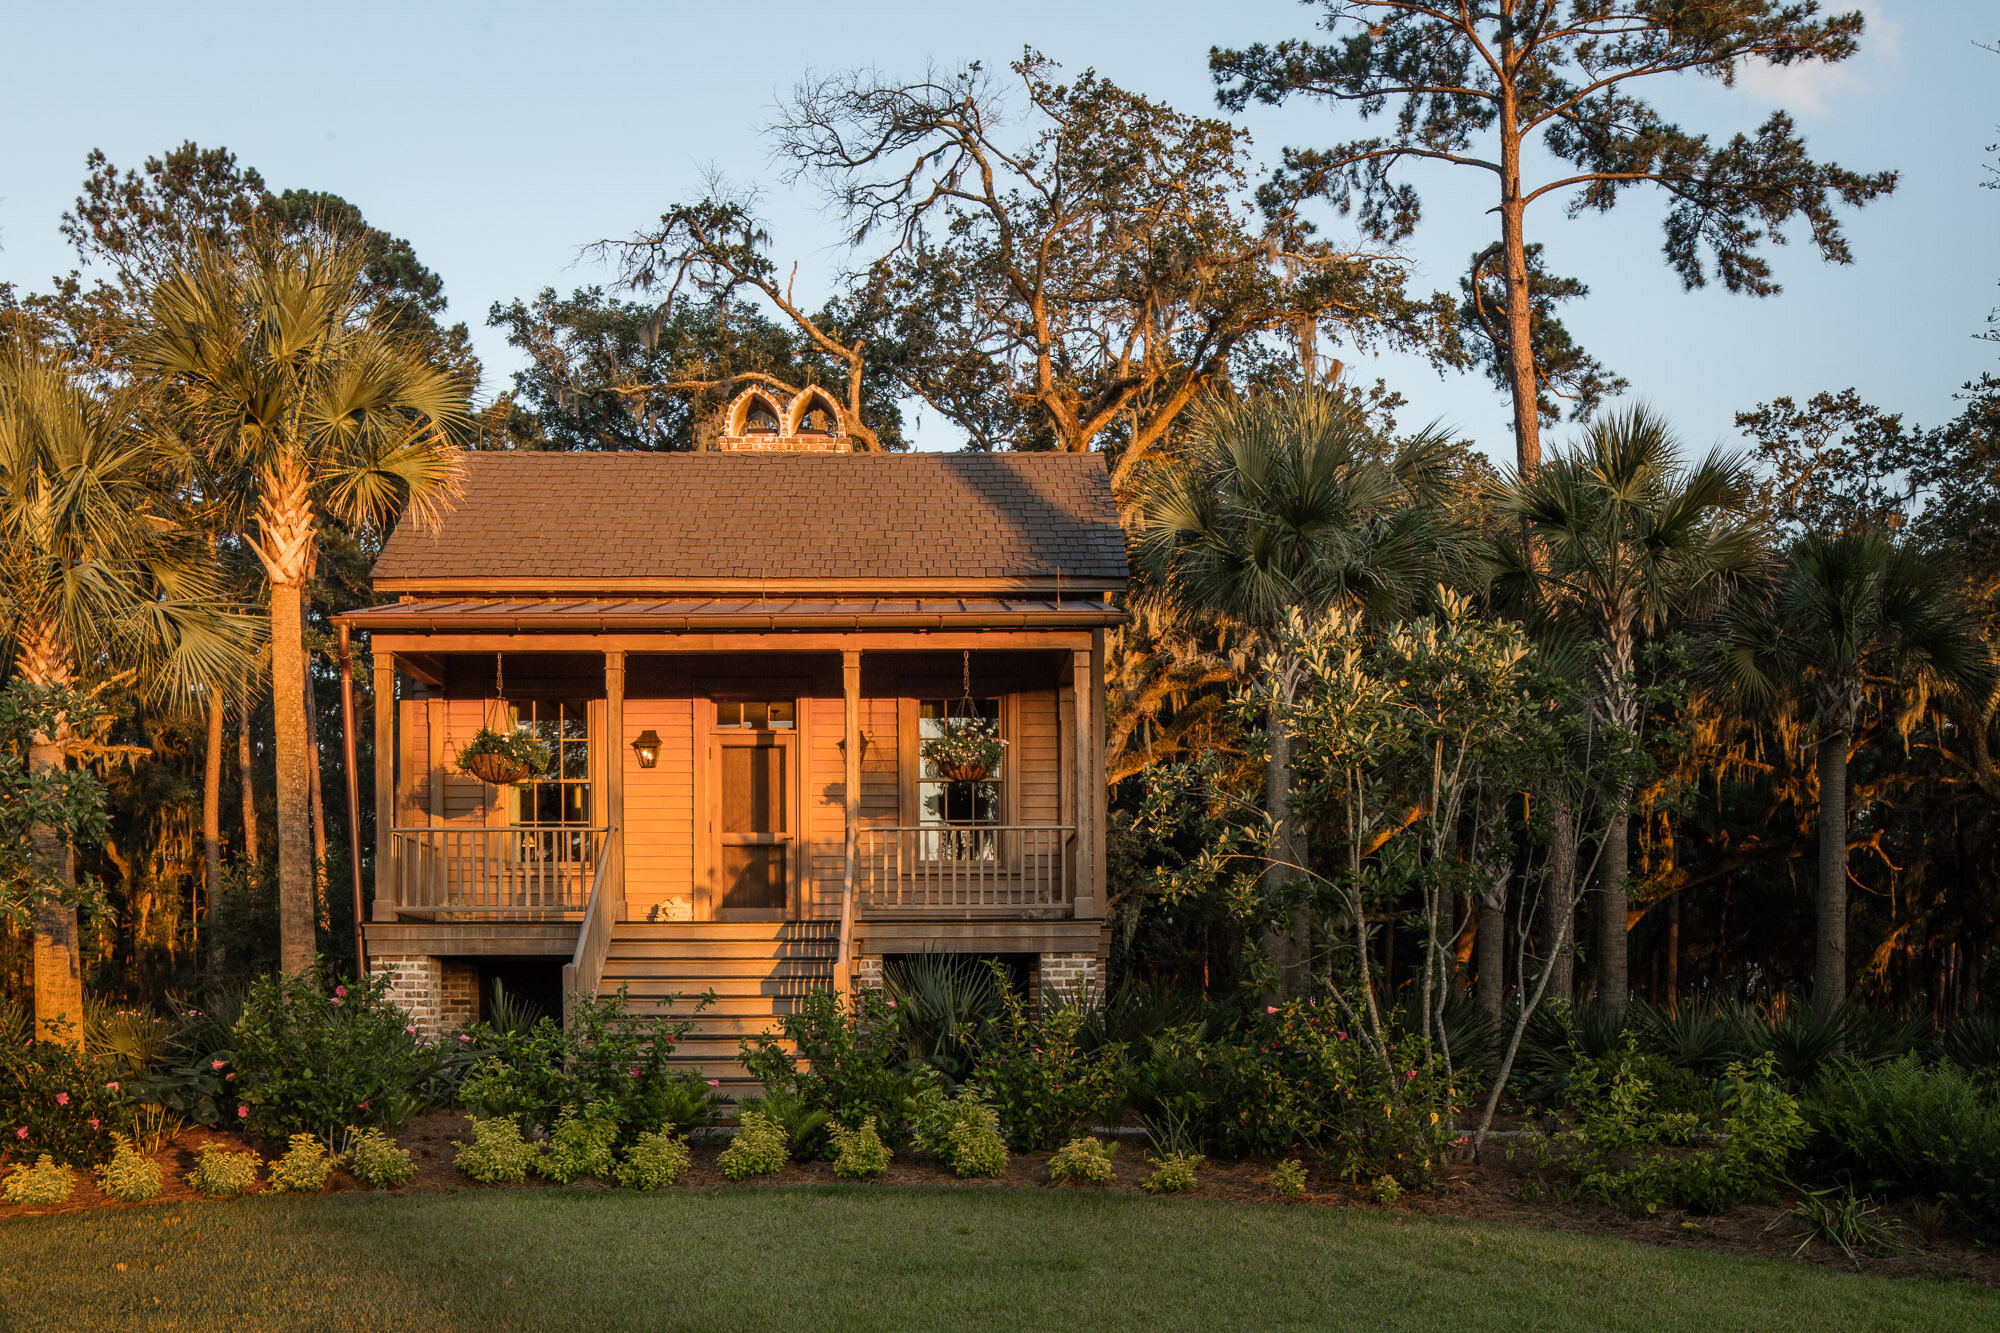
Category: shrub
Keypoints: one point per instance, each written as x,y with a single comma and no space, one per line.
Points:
47,1181
222,1174
1387,1189
316,1060
1288,1178
963,1132
759,1149
56,1101
943,1005
1045,1087
1762,1127
805,1125
848,1062
653,1162
497,1155
128,1176
581,1145
376,1160
1908,1127
859,1154
1083,1160
1172,1174
607,1056
1844,1220
304,1168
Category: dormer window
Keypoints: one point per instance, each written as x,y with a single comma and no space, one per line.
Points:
818,421
760,419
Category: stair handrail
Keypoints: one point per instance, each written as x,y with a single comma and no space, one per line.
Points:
585,968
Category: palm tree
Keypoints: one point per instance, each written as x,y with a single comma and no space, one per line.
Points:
1620,536
1278,503
1851,607
274,367
98,576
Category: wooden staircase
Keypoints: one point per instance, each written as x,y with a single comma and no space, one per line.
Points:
759,970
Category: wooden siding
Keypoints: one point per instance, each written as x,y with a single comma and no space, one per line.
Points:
1037,759
826,787
659,811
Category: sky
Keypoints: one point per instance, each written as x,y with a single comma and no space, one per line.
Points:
502,138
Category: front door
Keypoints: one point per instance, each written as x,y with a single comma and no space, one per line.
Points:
752,776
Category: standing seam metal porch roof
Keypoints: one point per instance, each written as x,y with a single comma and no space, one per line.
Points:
562,520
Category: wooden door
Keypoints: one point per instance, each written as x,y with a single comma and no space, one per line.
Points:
753,821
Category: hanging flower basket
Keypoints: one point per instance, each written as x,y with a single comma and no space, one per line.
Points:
503,758
968,750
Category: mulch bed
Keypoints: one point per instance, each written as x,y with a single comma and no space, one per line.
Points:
1490,1191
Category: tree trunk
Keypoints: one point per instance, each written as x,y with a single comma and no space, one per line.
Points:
56,949
297,940
1560,893
316,777
1830,907
1674,954
211,825
1491,943
1520,349
1614,982
246,774
1281,941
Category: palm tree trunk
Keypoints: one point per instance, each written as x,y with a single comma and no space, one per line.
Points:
1280,941
246,777
56,949
1614,981
297,941
211,825
1560,893
318,797
1830,906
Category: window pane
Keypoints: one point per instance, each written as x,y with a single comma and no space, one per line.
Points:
780,714
753,789
728,713
753,876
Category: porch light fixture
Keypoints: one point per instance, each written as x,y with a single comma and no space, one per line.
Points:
647,747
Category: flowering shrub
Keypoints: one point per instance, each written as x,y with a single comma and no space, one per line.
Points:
1044,1085
849,1059
497,1155
47,1181
860,1153
759,1149
1172,1174
376,1160
222,1174
304,1168
607,1057
1084,1160
966,743
653,1162
1293,1077
128,1176
55,1100
580,1146
317,1060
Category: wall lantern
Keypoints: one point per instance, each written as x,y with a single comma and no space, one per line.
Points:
647,747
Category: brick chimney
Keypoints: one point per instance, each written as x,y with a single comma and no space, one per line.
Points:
764,421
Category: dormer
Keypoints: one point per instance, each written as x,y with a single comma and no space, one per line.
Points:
810,422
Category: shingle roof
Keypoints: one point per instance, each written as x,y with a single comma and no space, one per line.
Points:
649,615
564,520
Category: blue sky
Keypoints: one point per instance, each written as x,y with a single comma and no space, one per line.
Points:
500,138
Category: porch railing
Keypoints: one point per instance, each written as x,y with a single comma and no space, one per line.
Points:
964,868
511,869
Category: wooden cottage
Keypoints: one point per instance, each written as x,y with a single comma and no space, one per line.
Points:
735,657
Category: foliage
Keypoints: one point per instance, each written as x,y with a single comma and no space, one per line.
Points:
943,1005
55,1100
1388,1190
808,1129
46,1182
1172,1174
128,1176
374,1159
316,1060
1911,1127
961,1131
497,1155
1288,1178
860,1153
304,1168
653,1161
847,1060
760,1148
1843,1219
222,1174
67,802
581,1145
1084,1160
607,1056
966,742
520,746
1037,1075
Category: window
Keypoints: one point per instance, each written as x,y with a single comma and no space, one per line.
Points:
818,421
754,714
761,419
956,809
560,797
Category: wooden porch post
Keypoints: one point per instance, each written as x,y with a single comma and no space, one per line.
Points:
850,689
614,780
385,785
1089,780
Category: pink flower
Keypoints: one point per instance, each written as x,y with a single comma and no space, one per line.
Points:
217,1064
62,1099
242,1112
464,1039
1270,1008
229,1077
1342,1036
340,991
410,1031
1409,1073
715,1083
892,1004
361,1106
633,1072
335,1000
93,1122
111,1087
21,1133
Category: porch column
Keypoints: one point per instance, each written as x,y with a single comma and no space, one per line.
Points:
385,785
614,781
850,689
1089,779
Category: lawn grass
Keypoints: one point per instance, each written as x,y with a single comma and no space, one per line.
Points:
861,1257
